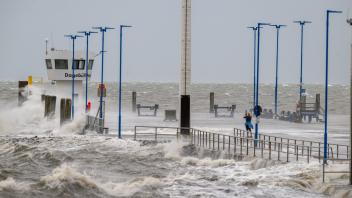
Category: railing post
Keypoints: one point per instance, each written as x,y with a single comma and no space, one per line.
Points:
337,151
229,144
308,154
206,139
302,147
275,144
296,152
156,133
241,142
135,133
234,144
269,149
281,144
319,152
218,142
247,147
213,141
254,148
203,138
262,153
278,152
288,150
223,142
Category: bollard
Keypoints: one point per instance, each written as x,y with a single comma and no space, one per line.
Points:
21,92
62,110
65,110
211,106
134,101
49,108
68,109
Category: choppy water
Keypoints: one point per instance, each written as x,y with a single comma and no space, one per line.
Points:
39,159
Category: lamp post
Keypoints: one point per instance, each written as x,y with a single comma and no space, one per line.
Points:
328,12
349,21
277,63
87,34
102,30
256,110
301,23
120,78
254,61
73,38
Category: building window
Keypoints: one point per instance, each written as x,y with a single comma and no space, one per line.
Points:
61,64
90,64
79,64
48,64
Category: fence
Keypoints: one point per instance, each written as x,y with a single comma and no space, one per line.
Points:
242,144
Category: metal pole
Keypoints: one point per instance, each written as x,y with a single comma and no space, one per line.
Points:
73,38
301,23
73,78
120,82
349,21
102,30
277,64
257,84
301,70
87,48
120,79
254,62
102,76
326,83
87,34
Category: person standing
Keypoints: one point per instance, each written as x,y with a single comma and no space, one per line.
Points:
248,124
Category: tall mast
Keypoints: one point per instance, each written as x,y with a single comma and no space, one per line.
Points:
185,81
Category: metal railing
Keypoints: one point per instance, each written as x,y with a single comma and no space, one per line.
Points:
316,149
242,144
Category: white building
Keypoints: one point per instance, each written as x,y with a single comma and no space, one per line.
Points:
59,68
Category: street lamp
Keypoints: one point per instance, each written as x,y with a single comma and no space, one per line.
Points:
301,23
73,38
254,61
328,12
120,78
277,63
257,109
87,34
102,30
349,21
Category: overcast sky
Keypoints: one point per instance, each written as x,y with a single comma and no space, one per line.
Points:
222,46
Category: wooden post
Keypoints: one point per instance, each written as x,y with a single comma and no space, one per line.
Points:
211,106
65,110
134,101
21,92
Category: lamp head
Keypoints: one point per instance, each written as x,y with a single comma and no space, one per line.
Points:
334,11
